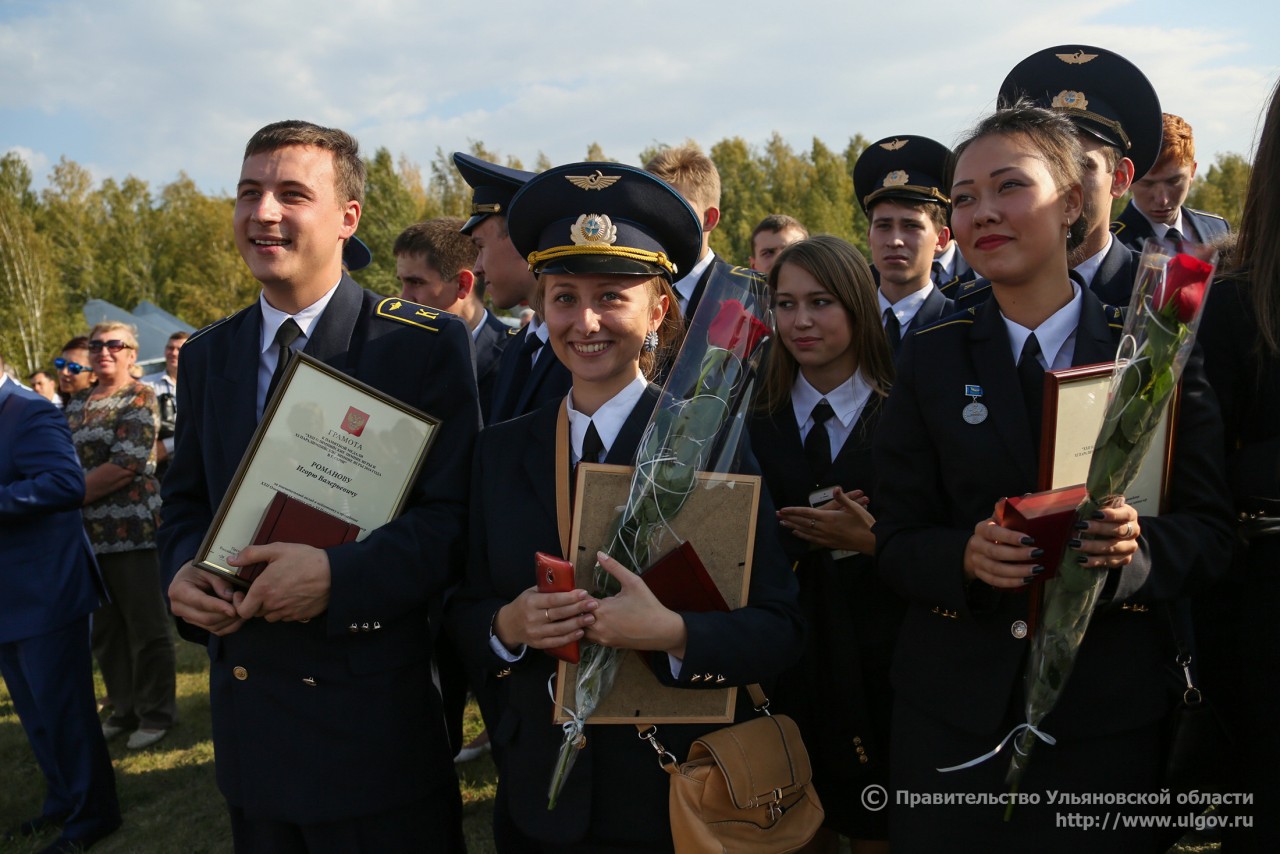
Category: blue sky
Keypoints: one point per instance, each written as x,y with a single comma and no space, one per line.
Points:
152,88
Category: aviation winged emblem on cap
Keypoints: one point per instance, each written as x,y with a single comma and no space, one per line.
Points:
896,178
595,181
593,228
1068,99
893,144
1077,58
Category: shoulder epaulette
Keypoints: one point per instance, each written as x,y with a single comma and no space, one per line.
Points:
394,308
964,318
970,288
1117,226
515,330
1207,213
194,335
1114,315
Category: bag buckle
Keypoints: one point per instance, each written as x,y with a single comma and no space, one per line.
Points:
776,809
764,708
665,760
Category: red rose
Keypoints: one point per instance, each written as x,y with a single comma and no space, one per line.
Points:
1185,280
735,329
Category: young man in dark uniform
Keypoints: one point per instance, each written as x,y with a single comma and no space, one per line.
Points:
899,183
529,373
328,732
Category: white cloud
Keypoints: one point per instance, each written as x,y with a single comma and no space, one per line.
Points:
153,88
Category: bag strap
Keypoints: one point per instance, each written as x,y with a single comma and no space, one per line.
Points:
669,763
562,477
1191,696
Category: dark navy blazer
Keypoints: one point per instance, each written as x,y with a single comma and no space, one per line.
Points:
334,718
616,793
1132,228
958,658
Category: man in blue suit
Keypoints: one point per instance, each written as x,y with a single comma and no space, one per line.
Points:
48,589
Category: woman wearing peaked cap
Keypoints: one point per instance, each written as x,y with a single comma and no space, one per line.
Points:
605,241
957,435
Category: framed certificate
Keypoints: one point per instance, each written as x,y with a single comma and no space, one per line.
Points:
1075,400
328,441
719,520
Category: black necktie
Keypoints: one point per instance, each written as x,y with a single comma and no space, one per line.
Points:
817,445
936,272
285,336
892,330
1173,234
592,446
1031,375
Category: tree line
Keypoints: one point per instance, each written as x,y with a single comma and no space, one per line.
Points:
124,242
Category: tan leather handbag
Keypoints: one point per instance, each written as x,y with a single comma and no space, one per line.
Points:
744,788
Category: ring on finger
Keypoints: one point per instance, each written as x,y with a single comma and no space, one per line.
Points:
1124,532
813,523
548,614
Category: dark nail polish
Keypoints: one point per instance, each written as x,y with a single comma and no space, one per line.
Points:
1082,525
1074,543
1037,553
1028,541
1028,579
1082,559
1036,570
1097,514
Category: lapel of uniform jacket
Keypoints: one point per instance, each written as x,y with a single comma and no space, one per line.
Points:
998,375
546,362
503,402
1097,333
330,339
540,461
623,451
844,469
235,388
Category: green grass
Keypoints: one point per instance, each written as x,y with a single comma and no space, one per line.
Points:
168,796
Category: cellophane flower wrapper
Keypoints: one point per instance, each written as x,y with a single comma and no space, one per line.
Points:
1159,333
696,427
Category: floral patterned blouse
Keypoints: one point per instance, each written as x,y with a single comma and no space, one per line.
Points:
121,429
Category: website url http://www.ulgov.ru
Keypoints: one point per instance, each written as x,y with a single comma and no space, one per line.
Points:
1116,820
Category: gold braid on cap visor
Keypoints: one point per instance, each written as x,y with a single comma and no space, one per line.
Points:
544,255
897,189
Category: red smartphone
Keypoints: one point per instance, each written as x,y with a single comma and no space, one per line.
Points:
555,575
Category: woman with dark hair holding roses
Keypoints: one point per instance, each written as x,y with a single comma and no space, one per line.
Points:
960,431
604,263
1241,339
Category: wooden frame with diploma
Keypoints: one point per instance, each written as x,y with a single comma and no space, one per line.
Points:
328,441
719,520
1075,400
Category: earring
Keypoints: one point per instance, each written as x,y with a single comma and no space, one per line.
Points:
651,342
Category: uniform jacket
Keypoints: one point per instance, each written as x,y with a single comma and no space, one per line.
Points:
839,692
616,793
959,659
952,286
491,341
334,718
1131,228
1112,281
48,576
549,380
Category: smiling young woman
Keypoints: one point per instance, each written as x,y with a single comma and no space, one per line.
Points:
956,436
605,245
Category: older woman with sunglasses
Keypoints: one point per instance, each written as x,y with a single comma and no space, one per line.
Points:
114,425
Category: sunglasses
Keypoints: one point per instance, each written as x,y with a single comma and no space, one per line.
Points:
115,345
74,367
